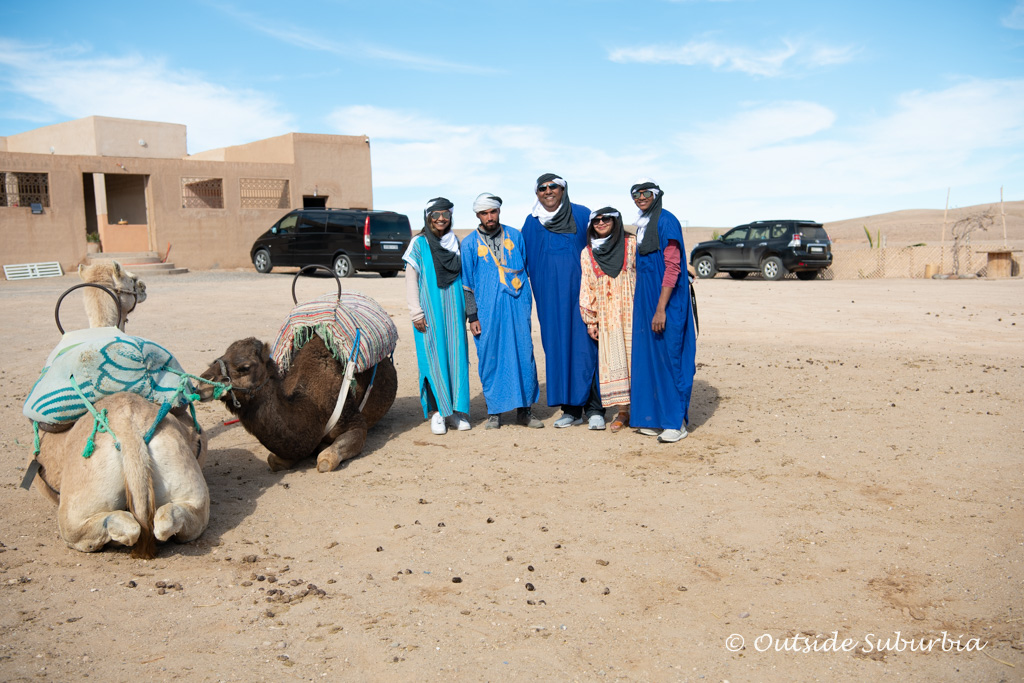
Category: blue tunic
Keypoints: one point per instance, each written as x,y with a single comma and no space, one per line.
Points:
553,264
663,364
441,352
504,304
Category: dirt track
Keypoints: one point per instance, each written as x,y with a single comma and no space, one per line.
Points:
854,465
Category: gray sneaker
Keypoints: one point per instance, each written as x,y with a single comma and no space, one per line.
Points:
568,421
672,435
596,422
525,417
493,422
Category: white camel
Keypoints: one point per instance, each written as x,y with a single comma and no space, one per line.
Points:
99,308
135,495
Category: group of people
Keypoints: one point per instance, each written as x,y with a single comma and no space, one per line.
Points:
615,313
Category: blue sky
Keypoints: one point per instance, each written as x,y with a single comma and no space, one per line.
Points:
741,110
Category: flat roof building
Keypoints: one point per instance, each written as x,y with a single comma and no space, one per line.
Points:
134,185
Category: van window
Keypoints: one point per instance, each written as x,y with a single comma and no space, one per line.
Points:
345,223
389,227
288,223
313,222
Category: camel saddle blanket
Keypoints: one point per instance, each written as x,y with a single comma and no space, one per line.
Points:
336,321
102,361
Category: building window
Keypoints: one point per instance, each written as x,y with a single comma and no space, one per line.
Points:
264,193
202,193
24,189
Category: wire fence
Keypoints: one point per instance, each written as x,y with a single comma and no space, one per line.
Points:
913,262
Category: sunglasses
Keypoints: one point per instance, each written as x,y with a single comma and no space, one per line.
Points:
604,219
434,215
643,194
549,186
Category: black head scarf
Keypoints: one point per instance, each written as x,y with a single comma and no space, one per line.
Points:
562,221
447,264
650,242
610,254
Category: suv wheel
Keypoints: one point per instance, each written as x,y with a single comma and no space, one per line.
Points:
262,261
342,266
772,268
807,274
738,274
705,266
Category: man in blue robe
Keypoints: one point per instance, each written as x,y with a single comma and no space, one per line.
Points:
555,233
500,306
664,329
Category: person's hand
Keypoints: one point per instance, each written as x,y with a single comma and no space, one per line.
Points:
658,322
420,324
692,272
474,327
592,331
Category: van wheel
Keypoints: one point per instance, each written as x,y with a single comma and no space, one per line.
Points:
342,266
388,273
772,268
262,261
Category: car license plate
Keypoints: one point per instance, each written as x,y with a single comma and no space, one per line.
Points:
817,250
389,247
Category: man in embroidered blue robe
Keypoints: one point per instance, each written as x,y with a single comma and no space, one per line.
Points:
499,306
555,233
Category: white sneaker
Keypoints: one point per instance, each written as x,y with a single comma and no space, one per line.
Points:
647,431
596,422
672,435
437,424
460,422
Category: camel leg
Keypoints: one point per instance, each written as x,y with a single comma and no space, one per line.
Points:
96,531
181,520
277,464
346,446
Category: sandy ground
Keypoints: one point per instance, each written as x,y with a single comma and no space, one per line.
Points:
854,466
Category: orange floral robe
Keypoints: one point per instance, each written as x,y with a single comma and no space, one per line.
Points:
609,303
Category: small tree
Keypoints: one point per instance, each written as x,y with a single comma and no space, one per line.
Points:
962,230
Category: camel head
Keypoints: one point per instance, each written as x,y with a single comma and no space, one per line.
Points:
98,306
246,365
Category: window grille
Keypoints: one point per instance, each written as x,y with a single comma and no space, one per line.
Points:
24,189
264,193
202,193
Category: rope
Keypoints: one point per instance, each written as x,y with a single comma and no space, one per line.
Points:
35,442
99,423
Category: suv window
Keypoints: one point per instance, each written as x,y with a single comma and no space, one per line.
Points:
759,233
778,231
812,233
735,235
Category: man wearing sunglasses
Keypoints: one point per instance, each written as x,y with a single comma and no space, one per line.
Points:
500,308
555,233
664,327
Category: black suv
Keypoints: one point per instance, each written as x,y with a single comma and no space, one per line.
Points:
345,240
772,247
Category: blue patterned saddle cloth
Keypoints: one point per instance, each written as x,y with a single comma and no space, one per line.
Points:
102,361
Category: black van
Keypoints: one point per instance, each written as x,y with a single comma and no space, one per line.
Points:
345,240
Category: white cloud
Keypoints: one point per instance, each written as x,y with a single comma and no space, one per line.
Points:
74,84
1015,19
794,153
769,62
415,158
352,49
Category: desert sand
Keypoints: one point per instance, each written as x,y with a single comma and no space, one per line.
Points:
854,466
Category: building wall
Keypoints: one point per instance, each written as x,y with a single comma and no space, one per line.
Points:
200,238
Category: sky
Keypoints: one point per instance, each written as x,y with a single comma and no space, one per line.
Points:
741,110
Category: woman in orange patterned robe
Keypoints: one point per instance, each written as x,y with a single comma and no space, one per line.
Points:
608,265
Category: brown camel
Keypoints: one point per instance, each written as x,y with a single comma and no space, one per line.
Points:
288,414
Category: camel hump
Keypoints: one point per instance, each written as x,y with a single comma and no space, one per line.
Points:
130,416
339,322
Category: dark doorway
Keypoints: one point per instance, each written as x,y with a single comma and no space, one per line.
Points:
309,202
89,194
